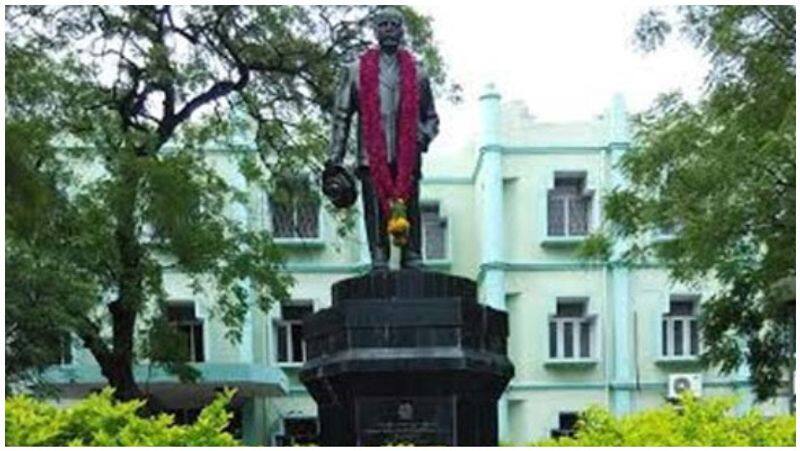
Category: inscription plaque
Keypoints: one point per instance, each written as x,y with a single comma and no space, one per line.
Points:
421,420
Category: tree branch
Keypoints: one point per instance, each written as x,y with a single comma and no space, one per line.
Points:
219,89
775,23
89,332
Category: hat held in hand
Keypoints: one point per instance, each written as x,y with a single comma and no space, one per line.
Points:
339,186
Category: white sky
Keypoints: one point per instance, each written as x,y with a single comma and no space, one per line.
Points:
565,60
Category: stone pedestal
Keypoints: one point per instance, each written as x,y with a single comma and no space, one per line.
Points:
406,357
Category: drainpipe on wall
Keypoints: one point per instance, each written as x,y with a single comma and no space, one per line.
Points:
490,186
244,138
490,180
620,288
239,213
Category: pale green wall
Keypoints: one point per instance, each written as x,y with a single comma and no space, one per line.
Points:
533,413
650,293
217,347
314,287
533,300
456,202
525,218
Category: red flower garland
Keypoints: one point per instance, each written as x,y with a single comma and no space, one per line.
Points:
373,136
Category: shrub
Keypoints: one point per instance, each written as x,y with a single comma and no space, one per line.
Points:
691,422
99,420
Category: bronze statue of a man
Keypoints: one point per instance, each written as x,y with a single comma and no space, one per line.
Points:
397,122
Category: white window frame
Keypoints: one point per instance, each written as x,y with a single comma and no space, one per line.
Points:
199,320
592,215
288,323
668,321
72,352
576,322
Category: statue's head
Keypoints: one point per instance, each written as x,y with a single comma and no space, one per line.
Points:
387,23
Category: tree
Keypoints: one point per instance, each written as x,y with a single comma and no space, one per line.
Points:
110,111
720,173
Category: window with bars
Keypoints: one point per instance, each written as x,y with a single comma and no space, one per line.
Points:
571,330
295,209
679,330
434,232
289,344
569,206
189,328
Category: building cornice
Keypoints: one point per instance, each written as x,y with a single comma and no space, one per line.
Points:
269,380
326,268
595,385
445,179
570,265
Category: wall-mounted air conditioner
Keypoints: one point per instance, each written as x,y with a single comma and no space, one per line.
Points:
679,383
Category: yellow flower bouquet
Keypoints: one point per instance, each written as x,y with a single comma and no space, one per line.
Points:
398,226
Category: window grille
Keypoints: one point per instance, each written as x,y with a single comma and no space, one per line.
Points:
568,206
295,210
434,233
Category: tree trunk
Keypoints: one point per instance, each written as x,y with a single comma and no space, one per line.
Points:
118,368
120,377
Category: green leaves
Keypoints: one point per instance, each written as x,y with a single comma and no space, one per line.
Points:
651,30
691,422
98,420
720,173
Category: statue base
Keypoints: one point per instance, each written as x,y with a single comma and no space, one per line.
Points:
406,357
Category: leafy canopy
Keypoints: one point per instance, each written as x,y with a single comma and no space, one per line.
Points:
719,175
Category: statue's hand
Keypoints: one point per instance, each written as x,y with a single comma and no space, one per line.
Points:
338,185
422,143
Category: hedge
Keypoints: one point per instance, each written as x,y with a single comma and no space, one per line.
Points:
690,422
99,420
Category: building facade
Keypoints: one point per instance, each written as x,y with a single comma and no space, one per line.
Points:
509,212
